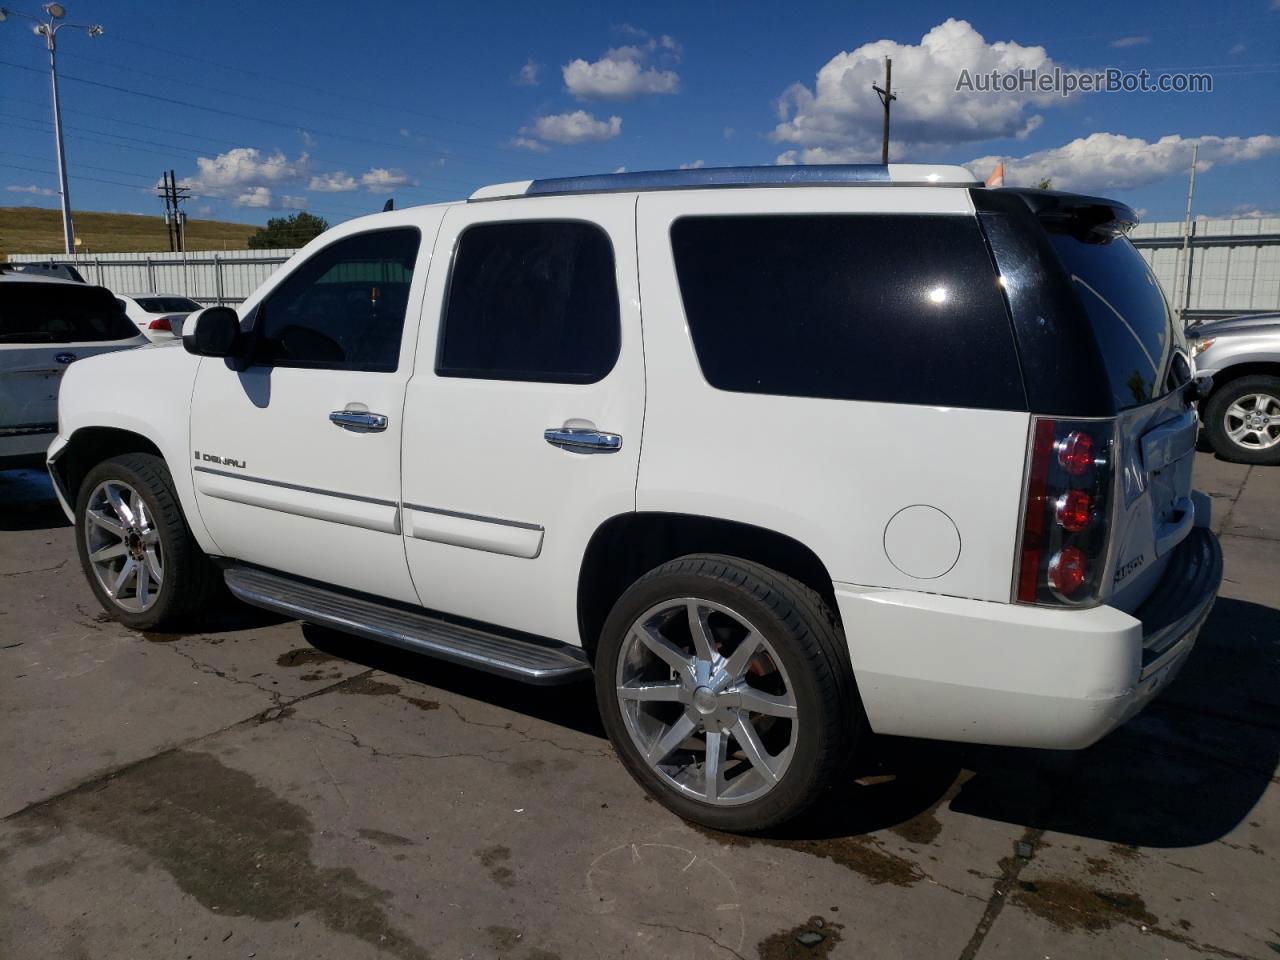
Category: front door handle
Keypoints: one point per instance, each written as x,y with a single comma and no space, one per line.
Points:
583,439
359,421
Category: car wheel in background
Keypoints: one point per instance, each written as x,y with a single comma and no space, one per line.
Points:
1242,420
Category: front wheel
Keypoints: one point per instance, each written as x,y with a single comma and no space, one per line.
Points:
726,689
139,557
1242,420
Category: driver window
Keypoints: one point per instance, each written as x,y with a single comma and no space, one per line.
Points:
344,308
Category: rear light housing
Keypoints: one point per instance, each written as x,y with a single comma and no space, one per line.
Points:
160,323
1066,515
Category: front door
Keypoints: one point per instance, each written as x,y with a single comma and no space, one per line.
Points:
523,417
296,458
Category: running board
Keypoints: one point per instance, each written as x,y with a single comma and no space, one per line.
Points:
531,661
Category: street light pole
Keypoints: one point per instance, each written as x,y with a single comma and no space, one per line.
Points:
49,30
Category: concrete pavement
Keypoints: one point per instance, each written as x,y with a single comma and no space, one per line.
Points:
265,789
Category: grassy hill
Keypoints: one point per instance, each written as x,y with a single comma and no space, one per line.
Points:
36,230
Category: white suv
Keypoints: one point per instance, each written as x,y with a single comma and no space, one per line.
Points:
782,455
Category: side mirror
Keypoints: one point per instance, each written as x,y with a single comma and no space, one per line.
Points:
212,332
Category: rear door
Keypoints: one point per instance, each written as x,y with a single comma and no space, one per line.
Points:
523,418
45,327
1145,361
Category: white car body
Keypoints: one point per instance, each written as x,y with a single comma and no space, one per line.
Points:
158,316
32,367
462,507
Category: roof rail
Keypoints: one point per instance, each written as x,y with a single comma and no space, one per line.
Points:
798,175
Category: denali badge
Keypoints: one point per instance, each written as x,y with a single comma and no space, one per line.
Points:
225,461
1125,569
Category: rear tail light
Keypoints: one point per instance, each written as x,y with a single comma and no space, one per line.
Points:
1066,517
160,323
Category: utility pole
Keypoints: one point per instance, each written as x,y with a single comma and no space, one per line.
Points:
1182,282
175,219
49,30
887,96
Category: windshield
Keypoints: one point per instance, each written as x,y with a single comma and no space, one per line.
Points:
1128,313
57,313
167,304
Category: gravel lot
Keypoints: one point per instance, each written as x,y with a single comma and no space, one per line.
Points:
272,790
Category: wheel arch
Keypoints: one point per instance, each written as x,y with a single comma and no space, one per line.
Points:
1225,375
629,545
89,446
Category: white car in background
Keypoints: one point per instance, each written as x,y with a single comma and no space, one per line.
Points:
46,324
158,315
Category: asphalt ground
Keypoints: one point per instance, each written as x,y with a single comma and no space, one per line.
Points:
267,789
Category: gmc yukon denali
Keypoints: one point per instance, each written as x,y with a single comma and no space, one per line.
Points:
781,456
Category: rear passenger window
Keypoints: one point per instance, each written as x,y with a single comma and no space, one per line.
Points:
531,300
344,308
897,309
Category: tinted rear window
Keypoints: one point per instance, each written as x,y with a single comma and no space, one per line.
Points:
58,313
1128,314
167,304
891,308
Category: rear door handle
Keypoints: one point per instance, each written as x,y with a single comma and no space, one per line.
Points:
583,439
359,421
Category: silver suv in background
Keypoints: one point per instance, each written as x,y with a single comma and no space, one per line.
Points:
1241,415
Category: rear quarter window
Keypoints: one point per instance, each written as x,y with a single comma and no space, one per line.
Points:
60,313
888,308
1128,313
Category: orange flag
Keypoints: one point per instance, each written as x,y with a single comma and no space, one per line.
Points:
997,176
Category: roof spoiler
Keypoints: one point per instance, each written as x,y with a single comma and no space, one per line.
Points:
1086,218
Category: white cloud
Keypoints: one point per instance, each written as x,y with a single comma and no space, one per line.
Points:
381,178
729,132
620,170
1123,42
1112,161
237,172
338,181
528,143
308,139
695,165
570,128
33,189
1238,49
840,118
528,75
255,197
627,71
288,200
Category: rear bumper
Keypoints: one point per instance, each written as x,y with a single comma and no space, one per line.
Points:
946,668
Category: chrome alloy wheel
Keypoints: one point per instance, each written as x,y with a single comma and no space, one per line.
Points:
1253,421
706,701
123,546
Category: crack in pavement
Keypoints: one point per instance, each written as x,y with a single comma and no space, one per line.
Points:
355,741
22,573
693,933
530,738
1012,867
271,713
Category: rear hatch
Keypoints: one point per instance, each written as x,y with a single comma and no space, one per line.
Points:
1098,343
1147,371
45,327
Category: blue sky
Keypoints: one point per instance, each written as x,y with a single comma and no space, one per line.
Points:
264,108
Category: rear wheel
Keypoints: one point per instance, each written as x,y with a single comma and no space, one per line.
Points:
1242,420
726,689
139,557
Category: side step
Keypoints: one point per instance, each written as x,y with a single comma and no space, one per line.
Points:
542,662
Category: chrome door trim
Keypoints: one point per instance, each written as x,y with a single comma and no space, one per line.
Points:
473,516
583,440
297,486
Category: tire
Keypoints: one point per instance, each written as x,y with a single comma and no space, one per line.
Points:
802,659
158,540
1224,410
